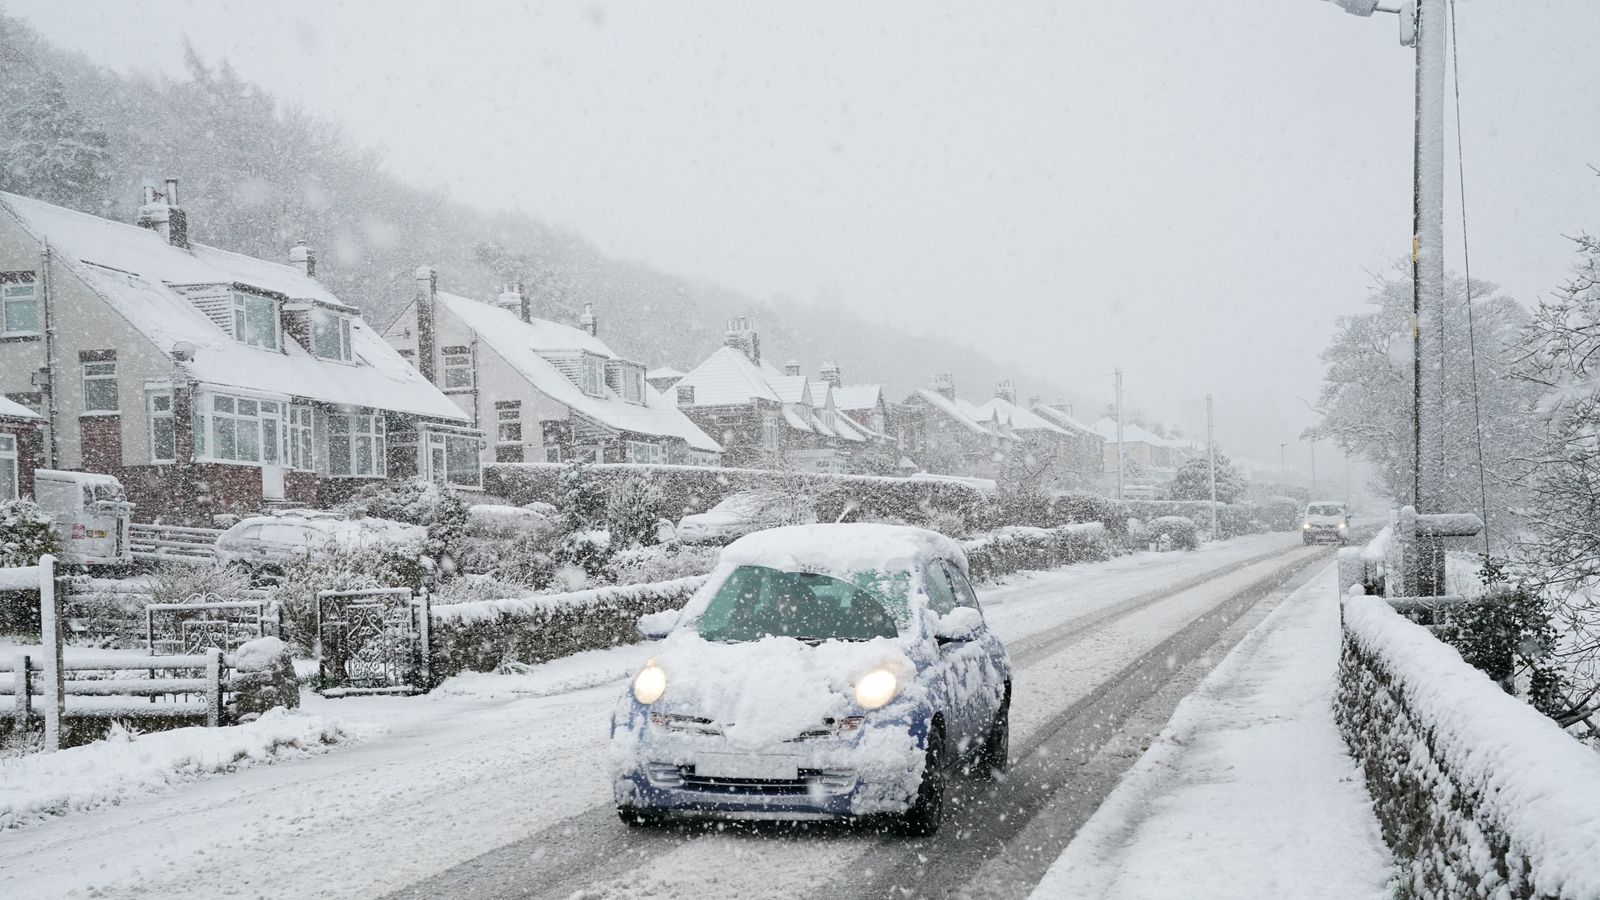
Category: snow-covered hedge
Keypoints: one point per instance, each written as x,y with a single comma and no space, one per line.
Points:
482,635
1175,533
1014,549
1479,795
1233,519
688,489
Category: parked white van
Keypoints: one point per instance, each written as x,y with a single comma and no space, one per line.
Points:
90,513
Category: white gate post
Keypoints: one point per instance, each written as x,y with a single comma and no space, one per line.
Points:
213,687
20,678
50,635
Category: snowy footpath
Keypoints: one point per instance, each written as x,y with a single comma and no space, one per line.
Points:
1249,791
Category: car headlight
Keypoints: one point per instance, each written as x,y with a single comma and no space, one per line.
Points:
1342,525
876,688
650,683
1306,526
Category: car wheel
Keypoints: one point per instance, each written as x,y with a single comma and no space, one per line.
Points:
639,818
927,813
995,757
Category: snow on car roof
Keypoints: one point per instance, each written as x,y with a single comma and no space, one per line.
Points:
849,547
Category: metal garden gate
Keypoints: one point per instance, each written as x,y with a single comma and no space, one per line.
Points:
372,641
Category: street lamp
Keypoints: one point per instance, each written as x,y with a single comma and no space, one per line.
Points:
1423,27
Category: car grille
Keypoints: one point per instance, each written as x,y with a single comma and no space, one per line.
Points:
690,724
828,782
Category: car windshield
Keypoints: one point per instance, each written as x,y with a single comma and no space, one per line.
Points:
1325,509
756,602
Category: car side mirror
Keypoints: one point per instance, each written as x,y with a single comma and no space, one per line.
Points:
655,626
960,624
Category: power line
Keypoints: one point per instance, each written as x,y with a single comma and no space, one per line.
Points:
1466,264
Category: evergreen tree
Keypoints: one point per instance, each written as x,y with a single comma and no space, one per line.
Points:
633,512
1193,481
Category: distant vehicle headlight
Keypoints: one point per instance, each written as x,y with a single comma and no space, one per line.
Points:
650,683
1342,525
876,688
1306,526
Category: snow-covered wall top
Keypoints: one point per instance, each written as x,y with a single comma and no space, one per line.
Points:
1485,795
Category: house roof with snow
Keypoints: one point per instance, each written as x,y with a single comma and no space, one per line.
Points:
1063,419
1107,427
10,409
523,345
954,409
663,372
1019,418
857,396
137,272
728,378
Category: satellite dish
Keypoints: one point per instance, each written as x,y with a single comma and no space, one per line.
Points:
183,351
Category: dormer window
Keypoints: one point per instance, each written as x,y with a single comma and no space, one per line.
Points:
594,375
330,335
255,320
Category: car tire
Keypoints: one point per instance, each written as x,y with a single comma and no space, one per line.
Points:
995,756
927,812
634,817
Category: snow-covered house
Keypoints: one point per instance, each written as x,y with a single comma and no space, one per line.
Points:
545,391
1069,457
1149,460
663,378
1085,459
949,436
207,381
21,449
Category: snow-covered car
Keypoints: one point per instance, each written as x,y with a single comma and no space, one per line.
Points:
823,671
1326,520
743,513
262,544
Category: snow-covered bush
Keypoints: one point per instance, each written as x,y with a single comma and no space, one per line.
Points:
415,502
25,533
1506,632
183,582
1175,533
263,679
587,552
633,513
1478,795
485,636
663,562
948,523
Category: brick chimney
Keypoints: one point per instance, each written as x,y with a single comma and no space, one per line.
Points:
1006,391
740,336
830,374
791,368
162,214
513,300
587,321
944,384
427,302
303,258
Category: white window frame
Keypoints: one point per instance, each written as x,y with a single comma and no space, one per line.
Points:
592,374
263,419
301,454
99,373
10,470
645,452
159,419
13,287
242,332
508,416
769,429
449,441
321,321
354,429
455,365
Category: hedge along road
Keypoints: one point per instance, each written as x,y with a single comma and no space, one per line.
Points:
1091,644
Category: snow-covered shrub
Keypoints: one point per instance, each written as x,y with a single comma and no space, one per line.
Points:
633,512
415,502
1085,542
948,523
582,500
663,562
584,551
25,533
263,679
475,588
180,582
1175,533
485,636
1478,795
1505,631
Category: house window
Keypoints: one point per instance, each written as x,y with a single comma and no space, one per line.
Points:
769,430
100,387
19,304
685,395
357,445
457,367
238,429
300,439
163,439
255,320
644,452
594,374
330,335
632,385
509,424
8,467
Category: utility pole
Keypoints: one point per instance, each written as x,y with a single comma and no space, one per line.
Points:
1313,468
1119,435
1211,453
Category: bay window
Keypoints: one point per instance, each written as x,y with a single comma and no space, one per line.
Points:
645,452
453,459
231,428
357,444
255,320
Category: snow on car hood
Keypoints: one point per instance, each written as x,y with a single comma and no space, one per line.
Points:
765,692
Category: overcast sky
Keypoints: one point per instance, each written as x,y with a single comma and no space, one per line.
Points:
1189,190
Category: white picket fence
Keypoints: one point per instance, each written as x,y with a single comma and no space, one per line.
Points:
155,543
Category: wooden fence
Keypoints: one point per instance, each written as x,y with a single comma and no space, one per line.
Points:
155,543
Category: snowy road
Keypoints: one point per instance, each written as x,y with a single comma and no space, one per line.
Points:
485,791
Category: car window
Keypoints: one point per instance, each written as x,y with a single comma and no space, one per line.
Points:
757,602
965,595
287,535
247,533
941,597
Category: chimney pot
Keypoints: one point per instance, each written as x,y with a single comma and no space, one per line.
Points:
586,321
303,258
740,336
945,385
830,374
172,191
791,368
